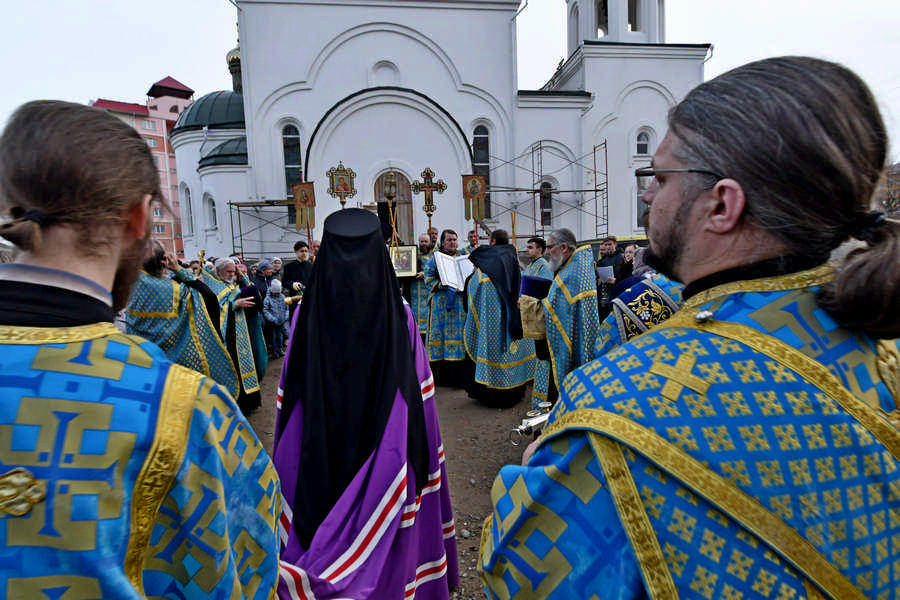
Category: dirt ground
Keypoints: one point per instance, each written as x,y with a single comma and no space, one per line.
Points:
476,445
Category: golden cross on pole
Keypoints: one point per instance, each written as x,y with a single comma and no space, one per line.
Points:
429,187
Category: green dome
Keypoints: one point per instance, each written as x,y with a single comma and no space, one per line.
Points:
229,152
217,110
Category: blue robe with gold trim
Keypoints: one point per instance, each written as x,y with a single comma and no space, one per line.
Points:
540,268
639,308
174,317
136,477
746,455
446,319
418,300
500,361
570,310
252,357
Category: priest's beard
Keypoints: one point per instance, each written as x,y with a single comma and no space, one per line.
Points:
665,259
555,263
128,270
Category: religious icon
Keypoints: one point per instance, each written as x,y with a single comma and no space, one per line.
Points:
340,183
404,260
305,204
474,188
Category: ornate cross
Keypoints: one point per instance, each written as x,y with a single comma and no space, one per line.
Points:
429,187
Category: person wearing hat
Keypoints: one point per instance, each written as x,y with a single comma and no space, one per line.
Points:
262,280
366,507
276,313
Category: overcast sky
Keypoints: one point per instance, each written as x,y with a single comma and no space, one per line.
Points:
116,49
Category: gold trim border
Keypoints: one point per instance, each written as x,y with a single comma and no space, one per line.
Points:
160,466
56,335
794,281
657,577
742,507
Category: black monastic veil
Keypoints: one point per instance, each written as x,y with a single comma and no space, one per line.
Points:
350,354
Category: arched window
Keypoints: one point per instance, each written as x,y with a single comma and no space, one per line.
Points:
209,208
293,167
602,18
546,204
634,15
481,148
642,145
187,212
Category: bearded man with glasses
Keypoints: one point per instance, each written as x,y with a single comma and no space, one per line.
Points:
748,445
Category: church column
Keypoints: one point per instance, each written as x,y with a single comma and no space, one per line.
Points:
618,19
588,20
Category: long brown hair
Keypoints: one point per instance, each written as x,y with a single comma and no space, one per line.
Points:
69,164
806,141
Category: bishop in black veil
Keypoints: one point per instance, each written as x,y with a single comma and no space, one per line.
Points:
366,509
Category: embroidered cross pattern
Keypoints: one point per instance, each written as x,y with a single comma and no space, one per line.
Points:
679,377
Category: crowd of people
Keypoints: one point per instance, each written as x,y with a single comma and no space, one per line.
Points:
725,401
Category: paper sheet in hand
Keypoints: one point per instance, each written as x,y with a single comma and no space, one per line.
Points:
453,270
605,273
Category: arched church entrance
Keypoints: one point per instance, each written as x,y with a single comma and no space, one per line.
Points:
394,201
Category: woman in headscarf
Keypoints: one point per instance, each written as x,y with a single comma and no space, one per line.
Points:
366,508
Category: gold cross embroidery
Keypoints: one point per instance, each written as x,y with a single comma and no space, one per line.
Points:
679,377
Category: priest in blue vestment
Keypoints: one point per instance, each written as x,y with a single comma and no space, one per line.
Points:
446,321
539,267
123,475
418,293
241,327
570,308
748,447
504,361
180,315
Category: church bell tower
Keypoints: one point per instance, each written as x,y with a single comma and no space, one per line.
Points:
634,21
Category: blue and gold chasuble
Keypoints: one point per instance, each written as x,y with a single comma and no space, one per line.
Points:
500,361
638,309
126,476
570,310
446,318
540,268
252,357
741,453
418,300
174,317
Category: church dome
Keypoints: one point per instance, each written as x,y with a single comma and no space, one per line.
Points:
229,152
216,110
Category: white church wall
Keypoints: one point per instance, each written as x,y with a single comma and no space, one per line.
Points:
552,122
460,58
634,86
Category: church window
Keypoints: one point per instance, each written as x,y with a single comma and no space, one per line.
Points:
602,18
293,169
642,146
481,149
634,15
209,206
187,217
546,193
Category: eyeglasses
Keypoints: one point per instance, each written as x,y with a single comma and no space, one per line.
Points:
646,174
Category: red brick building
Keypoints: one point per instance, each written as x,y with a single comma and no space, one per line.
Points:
166,99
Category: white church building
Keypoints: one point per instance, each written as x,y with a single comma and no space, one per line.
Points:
398,86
